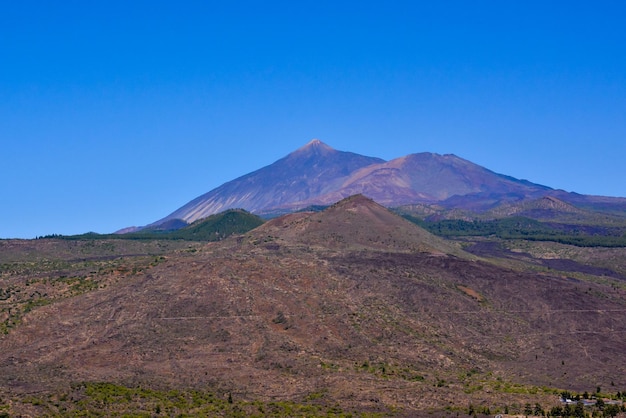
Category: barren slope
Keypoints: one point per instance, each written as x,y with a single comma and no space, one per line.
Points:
310,171
354,223
432,177
317,305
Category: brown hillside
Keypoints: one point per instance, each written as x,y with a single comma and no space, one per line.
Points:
375,318
354,223
544,207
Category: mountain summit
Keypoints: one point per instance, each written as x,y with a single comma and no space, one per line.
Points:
317,174
354,223
313,170
315,146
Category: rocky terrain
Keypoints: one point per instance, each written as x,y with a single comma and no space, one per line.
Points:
352,310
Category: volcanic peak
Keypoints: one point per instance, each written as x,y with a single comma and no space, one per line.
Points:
317,174
315,146
354,223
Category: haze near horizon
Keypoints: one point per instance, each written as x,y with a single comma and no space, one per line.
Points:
116,114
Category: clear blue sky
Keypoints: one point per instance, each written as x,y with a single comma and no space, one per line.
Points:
116,113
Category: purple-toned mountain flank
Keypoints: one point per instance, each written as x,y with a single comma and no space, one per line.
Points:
317,174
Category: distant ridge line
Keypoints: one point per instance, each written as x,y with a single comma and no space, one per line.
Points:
318,175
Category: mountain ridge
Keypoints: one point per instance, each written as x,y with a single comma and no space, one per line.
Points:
317,174
278,183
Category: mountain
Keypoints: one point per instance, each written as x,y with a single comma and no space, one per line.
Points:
428,177
310,171
318,175
351,308
354,223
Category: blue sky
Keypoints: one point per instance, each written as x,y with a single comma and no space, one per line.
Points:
117,113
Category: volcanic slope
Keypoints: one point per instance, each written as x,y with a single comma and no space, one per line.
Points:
317,174
429,177
354,223
310,171
370,319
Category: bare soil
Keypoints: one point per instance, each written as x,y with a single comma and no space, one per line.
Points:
283,314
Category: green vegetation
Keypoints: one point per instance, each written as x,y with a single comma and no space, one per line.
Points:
102,399
389,371
214,228
220,226
527,229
